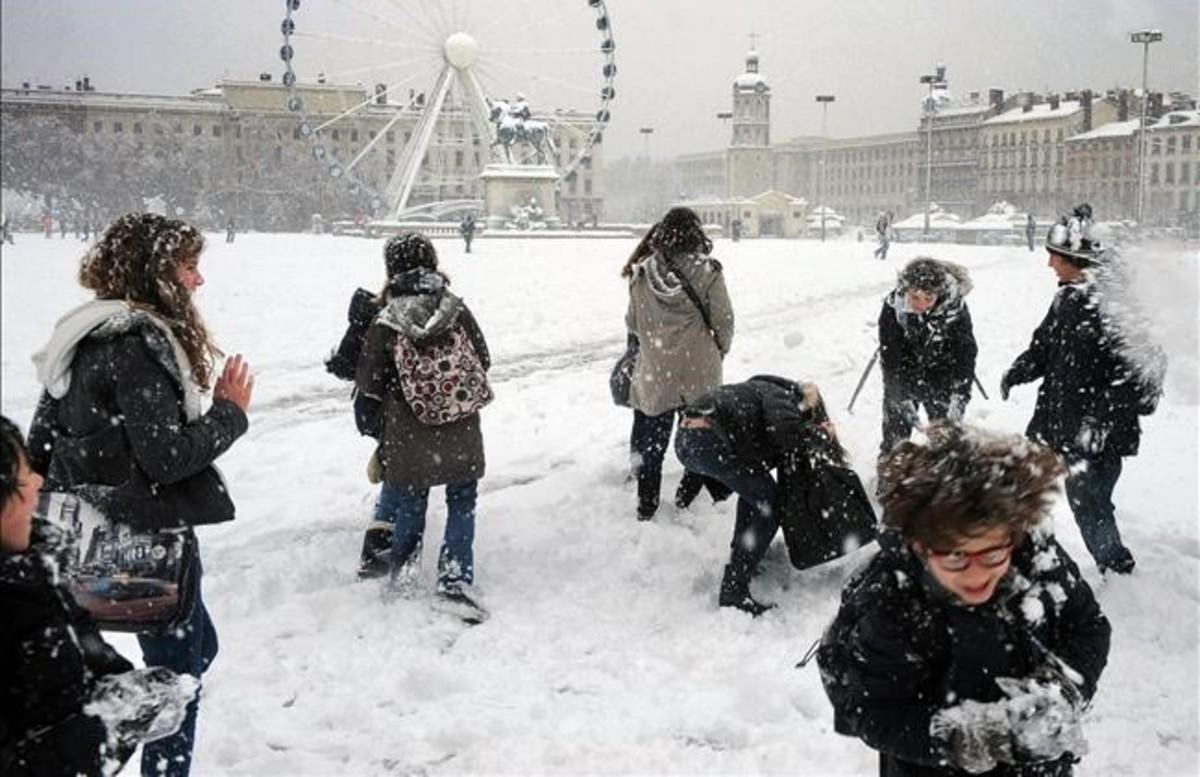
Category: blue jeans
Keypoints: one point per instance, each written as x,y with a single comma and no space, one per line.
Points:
648,441
705,451
1090,484
405,507
189,650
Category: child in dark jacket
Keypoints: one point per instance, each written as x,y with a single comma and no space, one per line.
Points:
926,347
970,643
69,703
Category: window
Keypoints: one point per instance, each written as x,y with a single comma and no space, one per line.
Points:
178,128
587,186
372,134
237,131
97,126
1169,173
137,130
295,133
391,136
118,126
458,159
1185,143
336,134
1185,169
216,130
197,130
1170,145
353,136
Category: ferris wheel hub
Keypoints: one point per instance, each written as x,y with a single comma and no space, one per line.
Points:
460,50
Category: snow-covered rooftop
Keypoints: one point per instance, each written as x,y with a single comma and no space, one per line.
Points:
1039,112
1113,129
1177,119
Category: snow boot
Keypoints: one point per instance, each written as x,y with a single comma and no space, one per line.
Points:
454,600
1122,563
406,576
735,591
689,489
648,488
377,546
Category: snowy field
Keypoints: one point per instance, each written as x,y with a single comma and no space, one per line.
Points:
606,652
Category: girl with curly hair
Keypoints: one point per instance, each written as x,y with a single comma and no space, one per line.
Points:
121,422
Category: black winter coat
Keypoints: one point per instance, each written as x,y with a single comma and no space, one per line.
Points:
1090,397
763,419
899,649
931,354
119,437
51,655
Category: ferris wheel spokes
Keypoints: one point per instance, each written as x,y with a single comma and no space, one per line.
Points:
401,183
371,99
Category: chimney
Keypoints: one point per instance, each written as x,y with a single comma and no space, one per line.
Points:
78,85
1123,105
87,85
381,94
1085,99
1053,102
1026,102
320,78
25,85
974,96
996,100
264,77
1071,96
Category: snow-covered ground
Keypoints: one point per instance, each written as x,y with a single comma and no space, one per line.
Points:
606,652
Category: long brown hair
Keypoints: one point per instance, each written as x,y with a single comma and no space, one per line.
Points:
136,260
644,248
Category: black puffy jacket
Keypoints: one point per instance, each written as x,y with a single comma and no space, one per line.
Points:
930,355
900,648
1090,397
51,656
120,439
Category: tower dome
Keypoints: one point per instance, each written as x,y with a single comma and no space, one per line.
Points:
751,80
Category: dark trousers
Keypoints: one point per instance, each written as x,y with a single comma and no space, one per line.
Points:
189,650
901,408
1090,484
884,244
706,452
648,442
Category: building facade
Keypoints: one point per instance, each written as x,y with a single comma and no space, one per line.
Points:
245,148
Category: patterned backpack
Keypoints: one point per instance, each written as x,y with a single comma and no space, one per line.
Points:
442,380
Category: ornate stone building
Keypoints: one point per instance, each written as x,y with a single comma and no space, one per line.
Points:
247,148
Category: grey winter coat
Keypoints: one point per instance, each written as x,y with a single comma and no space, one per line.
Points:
414,454
678,358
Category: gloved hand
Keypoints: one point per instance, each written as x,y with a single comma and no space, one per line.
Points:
1044,717
1005,385
975,737
141,705
375,468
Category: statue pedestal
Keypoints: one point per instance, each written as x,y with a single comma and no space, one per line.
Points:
508,186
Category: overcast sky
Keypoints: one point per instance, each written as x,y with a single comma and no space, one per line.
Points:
676,58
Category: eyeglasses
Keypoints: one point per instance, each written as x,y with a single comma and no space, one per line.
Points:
957,561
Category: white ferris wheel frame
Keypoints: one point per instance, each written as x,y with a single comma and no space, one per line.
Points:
459,55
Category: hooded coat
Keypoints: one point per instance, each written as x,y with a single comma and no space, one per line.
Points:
51,656
414,454
930,355
120,422
678,358
900,649
1090,397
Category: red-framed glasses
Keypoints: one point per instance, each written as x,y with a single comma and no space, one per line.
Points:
957,561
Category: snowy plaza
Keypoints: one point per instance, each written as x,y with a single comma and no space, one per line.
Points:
605,652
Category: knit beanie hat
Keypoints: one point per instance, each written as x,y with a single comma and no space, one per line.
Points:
408,252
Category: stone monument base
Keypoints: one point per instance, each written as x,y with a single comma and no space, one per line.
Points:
507,187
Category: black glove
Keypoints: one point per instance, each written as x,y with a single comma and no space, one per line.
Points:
1005,385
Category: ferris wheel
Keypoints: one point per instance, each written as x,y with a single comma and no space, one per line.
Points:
453,76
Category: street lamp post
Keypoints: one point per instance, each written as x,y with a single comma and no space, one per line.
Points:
824,100
726,116
646,132
1144,37
932,81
